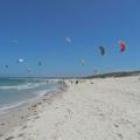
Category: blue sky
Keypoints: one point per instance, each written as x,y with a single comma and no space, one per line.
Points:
35,30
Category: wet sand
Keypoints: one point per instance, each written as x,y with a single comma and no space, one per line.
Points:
19,116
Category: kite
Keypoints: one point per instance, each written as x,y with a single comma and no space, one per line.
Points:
83,62
6,66
102,50
122,46
28,70
20,60
39,63
68,39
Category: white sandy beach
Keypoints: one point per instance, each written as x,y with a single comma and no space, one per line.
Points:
96,109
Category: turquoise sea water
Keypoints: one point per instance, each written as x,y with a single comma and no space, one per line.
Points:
15,91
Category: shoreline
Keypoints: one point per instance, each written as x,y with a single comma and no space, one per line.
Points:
17,116
87,109
9,107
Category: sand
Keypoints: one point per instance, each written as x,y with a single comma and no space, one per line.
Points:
96,109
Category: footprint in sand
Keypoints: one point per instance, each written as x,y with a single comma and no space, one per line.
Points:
120,135
24,127
21,135
116,125
37,117
138,133
2,124
10,138
55,137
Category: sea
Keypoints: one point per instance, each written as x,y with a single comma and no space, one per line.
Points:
17,91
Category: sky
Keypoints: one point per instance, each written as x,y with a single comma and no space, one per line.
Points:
62,33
